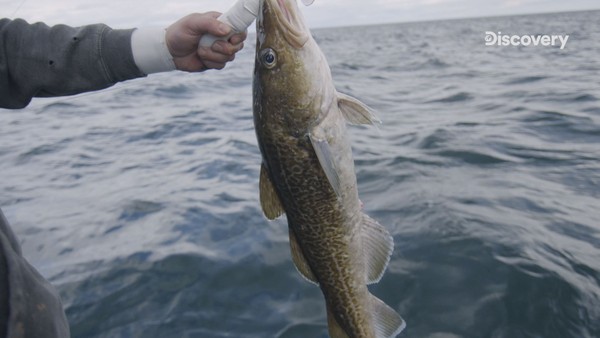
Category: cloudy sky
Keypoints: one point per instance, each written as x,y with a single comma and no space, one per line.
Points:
323,13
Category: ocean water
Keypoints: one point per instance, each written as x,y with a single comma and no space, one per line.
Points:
140,202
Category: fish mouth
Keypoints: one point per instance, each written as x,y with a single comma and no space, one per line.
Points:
288,16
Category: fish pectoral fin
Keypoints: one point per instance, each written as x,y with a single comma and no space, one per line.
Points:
356,112
299,259
335,329
269,201
378,246
327,161
387,322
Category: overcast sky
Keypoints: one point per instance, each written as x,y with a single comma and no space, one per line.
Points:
323,13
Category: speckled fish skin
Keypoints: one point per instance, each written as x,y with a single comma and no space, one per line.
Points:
308,174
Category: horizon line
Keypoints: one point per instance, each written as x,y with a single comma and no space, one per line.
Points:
459,18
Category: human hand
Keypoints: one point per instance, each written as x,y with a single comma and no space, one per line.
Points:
183,36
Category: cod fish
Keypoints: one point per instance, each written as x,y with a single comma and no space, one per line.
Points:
308,173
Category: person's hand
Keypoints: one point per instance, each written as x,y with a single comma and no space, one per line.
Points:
183,36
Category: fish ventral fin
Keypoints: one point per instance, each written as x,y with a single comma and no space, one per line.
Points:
356,112
327,161
377,245
299,259
387,322
269,201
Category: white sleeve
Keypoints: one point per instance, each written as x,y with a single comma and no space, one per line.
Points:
150,51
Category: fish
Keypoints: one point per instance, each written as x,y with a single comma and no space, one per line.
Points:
307,173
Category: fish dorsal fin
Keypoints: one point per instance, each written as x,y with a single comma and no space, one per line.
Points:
356,112
387,322
299,259
327,161
269,201
377,246
335,329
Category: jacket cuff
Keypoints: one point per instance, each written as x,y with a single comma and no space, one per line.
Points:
118,66
150,50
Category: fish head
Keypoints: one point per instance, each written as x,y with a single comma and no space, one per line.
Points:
291,76
282,19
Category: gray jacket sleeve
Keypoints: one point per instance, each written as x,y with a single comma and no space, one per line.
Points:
38,60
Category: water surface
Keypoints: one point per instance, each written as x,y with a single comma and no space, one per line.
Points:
140,203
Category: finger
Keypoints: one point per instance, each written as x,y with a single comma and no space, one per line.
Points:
213,14
214,65
218,65
209,55
223,47
189,64
207,23
238,38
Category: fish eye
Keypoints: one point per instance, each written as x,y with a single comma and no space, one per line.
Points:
269,58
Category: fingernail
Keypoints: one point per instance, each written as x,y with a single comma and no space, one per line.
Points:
235,40
216,47
238,47
224,28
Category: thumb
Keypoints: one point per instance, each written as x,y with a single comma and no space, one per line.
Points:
201,24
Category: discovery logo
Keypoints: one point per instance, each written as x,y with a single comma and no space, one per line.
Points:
498,39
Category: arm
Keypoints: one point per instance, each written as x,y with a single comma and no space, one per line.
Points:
37,60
